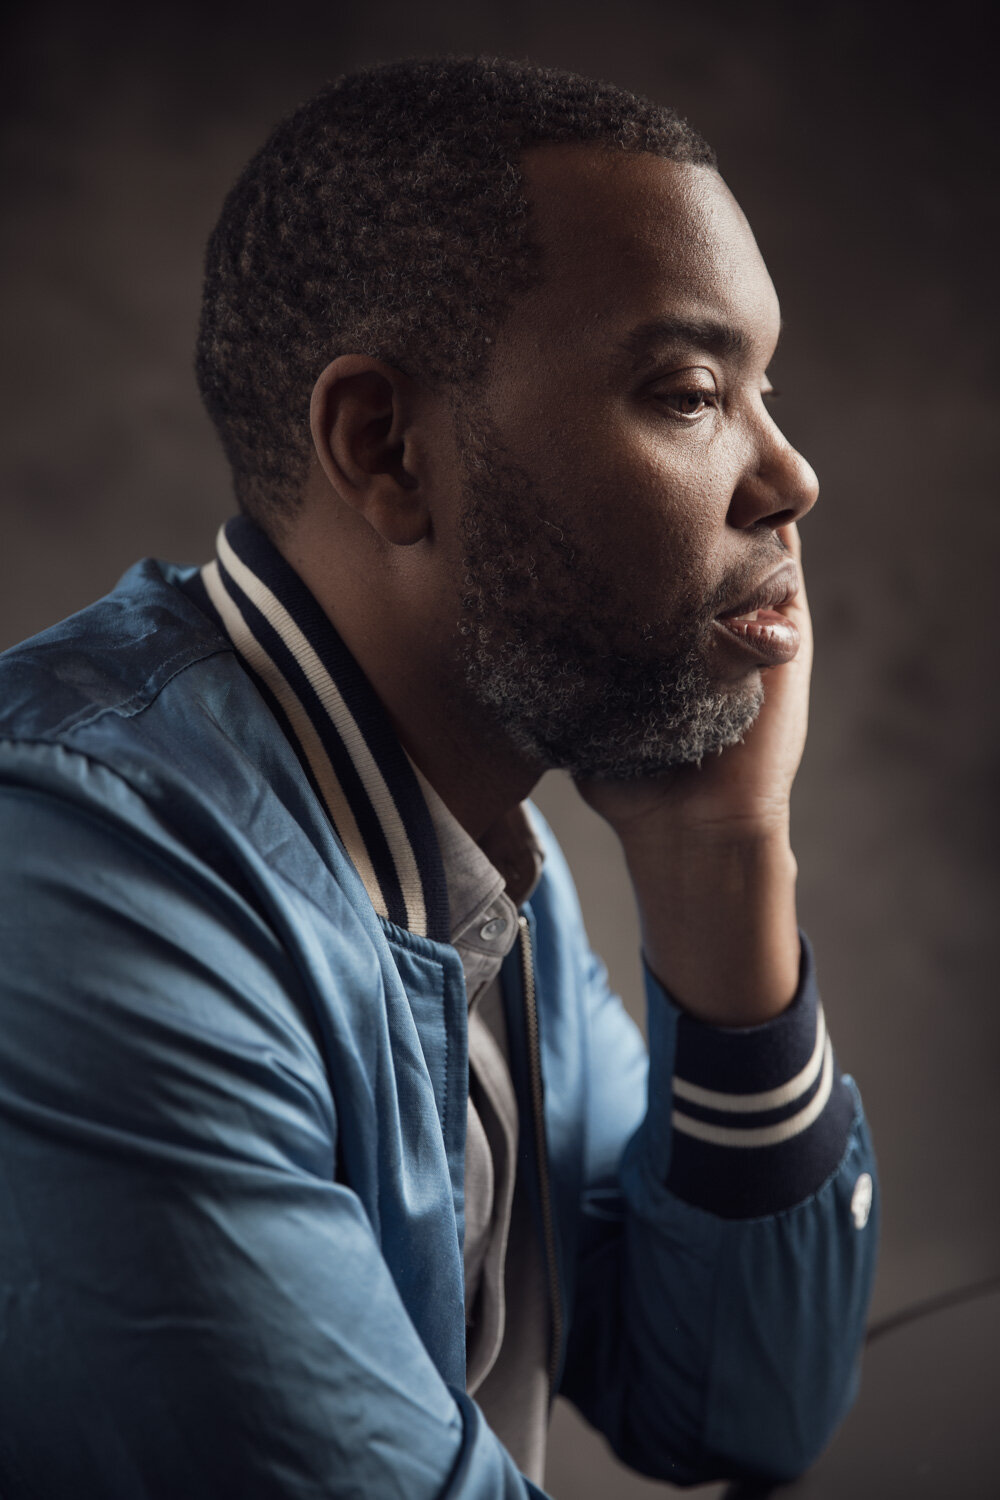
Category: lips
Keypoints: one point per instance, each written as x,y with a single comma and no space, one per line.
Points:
757,623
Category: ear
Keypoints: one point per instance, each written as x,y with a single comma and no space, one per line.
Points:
362,422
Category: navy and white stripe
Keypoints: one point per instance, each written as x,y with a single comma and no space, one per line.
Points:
746,1120
364,778
760,1114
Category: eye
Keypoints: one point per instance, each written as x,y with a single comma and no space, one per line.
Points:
686,398
688,403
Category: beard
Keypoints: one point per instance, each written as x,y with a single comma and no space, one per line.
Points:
550,651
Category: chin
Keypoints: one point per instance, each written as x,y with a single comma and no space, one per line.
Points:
607,715
649,745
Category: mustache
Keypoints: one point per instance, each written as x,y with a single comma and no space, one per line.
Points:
742,580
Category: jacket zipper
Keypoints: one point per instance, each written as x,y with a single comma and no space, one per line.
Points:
538,1118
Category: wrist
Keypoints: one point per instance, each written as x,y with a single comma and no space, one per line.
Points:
725,850
719,924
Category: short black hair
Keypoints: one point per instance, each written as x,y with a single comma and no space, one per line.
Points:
386,216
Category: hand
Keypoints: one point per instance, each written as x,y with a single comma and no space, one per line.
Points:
709,857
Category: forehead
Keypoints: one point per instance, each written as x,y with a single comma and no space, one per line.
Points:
632,240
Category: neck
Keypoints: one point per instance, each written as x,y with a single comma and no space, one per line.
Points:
478,783
405,647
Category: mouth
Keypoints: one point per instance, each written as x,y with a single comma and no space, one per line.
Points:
757,623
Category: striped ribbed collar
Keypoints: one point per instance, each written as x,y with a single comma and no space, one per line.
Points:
359,770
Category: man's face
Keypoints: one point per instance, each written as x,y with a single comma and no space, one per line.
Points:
624,480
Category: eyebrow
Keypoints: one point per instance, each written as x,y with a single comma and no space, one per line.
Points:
702,333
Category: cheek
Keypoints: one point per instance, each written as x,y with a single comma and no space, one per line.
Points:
655,525
644,504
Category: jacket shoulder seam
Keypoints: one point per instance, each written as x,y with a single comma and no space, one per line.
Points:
128,707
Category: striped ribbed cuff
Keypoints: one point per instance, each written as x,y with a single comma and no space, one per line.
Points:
760,1115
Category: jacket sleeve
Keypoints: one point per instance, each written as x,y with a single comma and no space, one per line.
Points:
190,1303
728,1231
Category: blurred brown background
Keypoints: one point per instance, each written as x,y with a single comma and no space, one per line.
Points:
861,140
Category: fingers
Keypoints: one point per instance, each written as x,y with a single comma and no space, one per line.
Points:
791,537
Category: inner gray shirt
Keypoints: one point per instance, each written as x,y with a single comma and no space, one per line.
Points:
506,1300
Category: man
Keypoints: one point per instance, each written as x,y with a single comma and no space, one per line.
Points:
326,1156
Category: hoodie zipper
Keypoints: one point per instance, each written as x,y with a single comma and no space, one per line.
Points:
541,1154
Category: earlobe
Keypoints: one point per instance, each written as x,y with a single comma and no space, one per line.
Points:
362,423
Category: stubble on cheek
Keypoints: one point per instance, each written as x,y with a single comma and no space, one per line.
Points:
555,645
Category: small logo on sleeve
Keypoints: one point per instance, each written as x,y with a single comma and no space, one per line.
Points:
861,1200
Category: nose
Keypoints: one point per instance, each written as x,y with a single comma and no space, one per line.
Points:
777,487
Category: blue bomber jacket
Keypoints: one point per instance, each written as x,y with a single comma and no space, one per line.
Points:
233,1090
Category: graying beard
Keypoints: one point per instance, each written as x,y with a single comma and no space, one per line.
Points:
556,686
535,703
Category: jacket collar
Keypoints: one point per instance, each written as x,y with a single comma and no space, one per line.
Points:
359,770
